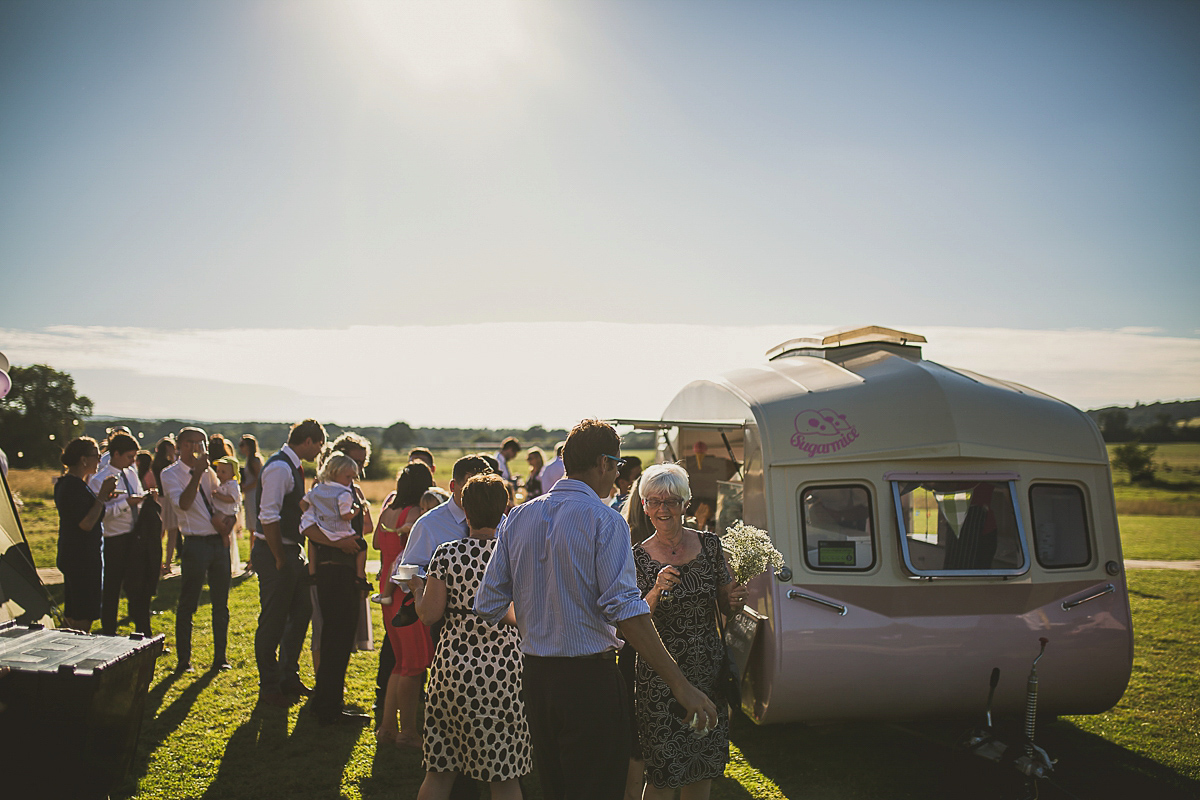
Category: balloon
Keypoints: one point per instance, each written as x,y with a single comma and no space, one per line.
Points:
5,383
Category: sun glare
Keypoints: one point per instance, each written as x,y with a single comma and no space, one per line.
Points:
439,45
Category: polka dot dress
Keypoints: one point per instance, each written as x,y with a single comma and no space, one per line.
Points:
474,718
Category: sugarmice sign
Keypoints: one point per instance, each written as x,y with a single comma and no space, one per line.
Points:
822,432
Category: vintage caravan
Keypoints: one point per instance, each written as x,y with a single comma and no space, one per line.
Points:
935,523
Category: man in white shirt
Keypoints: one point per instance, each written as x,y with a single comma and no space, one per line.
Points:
553,472
204,554
278,558
120,513
445,523
507,452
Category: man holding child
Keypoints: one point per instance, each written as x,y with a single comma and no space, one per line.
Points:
279,562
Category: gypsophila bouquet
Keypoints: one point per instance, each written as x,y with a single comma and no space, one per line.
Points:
750,551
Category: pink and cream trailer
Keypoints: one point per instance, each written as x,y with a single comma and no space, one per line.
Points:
935,523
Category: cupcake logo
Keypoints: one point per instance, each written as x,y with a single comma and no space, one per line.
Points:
822,432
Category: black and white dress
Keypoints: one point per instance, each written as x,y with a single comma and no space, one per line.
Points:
474,717
687,624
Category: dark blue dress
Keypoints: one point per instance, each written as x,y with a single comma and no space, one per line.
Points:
78,549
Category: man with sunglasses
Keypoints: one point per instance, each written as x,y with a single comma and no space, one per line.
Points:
564,561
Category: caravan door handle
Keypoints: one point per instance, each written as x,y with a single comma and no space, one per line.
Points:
1108,589
794,594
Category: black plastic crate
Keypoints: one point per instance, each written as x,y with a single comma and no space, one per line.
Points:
72,709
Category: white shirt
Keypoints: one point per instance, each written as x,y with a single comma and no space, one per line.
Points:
276,481
327,502
504,471
230,507
443,524
552,473
118,515
195,521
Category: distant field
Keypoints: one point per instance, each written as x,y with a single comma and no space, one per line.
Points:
1176,491
1160,538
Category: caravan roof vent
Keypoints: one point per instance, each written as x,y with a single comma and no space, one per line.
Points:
861,338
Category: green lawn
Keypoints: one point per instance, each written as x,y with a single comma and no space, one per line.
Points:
204,738
1160,538
1159,716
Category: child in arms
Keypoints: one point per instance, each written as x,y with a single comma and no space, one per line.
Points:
332,505
227,499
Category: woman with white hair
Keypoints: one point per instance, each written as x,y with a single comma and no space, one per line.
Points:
684,578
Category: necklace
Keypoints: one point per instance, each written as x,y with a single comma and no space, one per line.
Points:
675,550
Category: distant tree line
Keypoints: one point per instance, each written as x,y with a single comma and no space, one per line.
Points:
43,412
1156,423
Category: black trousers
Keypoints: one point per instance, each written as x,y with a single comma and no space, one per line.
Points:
578,713
125,559
387,662
339,597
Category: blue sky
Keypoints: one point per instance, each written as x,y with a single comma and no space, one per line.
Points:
266,165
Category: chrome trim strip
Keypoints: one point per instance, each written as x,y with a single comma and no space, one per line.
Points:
793,594
1108,589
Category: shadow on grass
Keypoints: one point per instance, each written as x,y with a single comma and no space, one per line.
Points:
1091,766
858,760
395,772
158,725
924,760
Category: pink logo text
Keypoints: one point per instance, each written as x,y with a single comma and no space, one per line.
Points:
822,432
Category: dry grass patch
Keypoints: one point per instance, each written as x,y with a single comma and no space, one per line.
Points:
28,484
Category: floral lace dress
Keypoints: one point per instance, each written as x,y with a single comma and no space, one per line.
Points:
687,624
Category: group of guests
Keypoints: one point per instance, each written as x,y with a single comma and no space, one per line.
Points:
114,518
522,611
517,611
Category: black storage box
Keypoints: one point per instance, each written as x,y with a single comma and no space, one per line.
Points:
72,707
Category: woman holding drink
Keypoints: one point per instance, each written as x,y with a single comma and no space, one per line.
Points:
80,512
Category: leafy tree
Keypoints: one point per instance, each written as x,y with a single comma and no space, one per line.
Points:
40,415
1114,426
1137,460
1161,430
398,436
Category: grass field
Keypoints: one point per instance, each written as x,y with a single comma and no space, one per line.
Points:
203,736
1176,490
1160,538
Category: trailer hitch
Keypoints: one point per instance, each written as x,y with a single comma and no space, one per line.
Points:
1024,756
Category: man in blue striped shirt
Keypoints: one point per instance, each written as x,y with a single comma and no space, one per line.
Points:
564,561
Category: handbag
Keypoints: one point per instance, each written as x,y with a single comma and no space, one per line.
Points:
407,614
729,682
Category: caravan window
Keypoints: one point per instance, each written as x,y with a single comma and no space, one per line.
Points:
961,527
837,526
1060,533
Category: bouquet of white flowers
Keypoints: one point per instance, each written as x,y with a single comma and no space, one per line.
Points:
750,551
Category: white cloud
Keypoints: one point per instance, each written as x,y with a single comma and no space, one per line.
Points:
546,373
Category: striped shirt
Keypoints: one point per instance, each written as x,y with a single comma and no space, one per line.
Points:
564,560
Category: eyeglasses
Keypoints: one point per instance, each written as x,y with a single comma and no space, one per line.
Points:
620,461
653,503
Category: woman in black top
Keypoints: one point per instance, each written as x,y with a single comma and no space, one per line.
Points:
79,515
